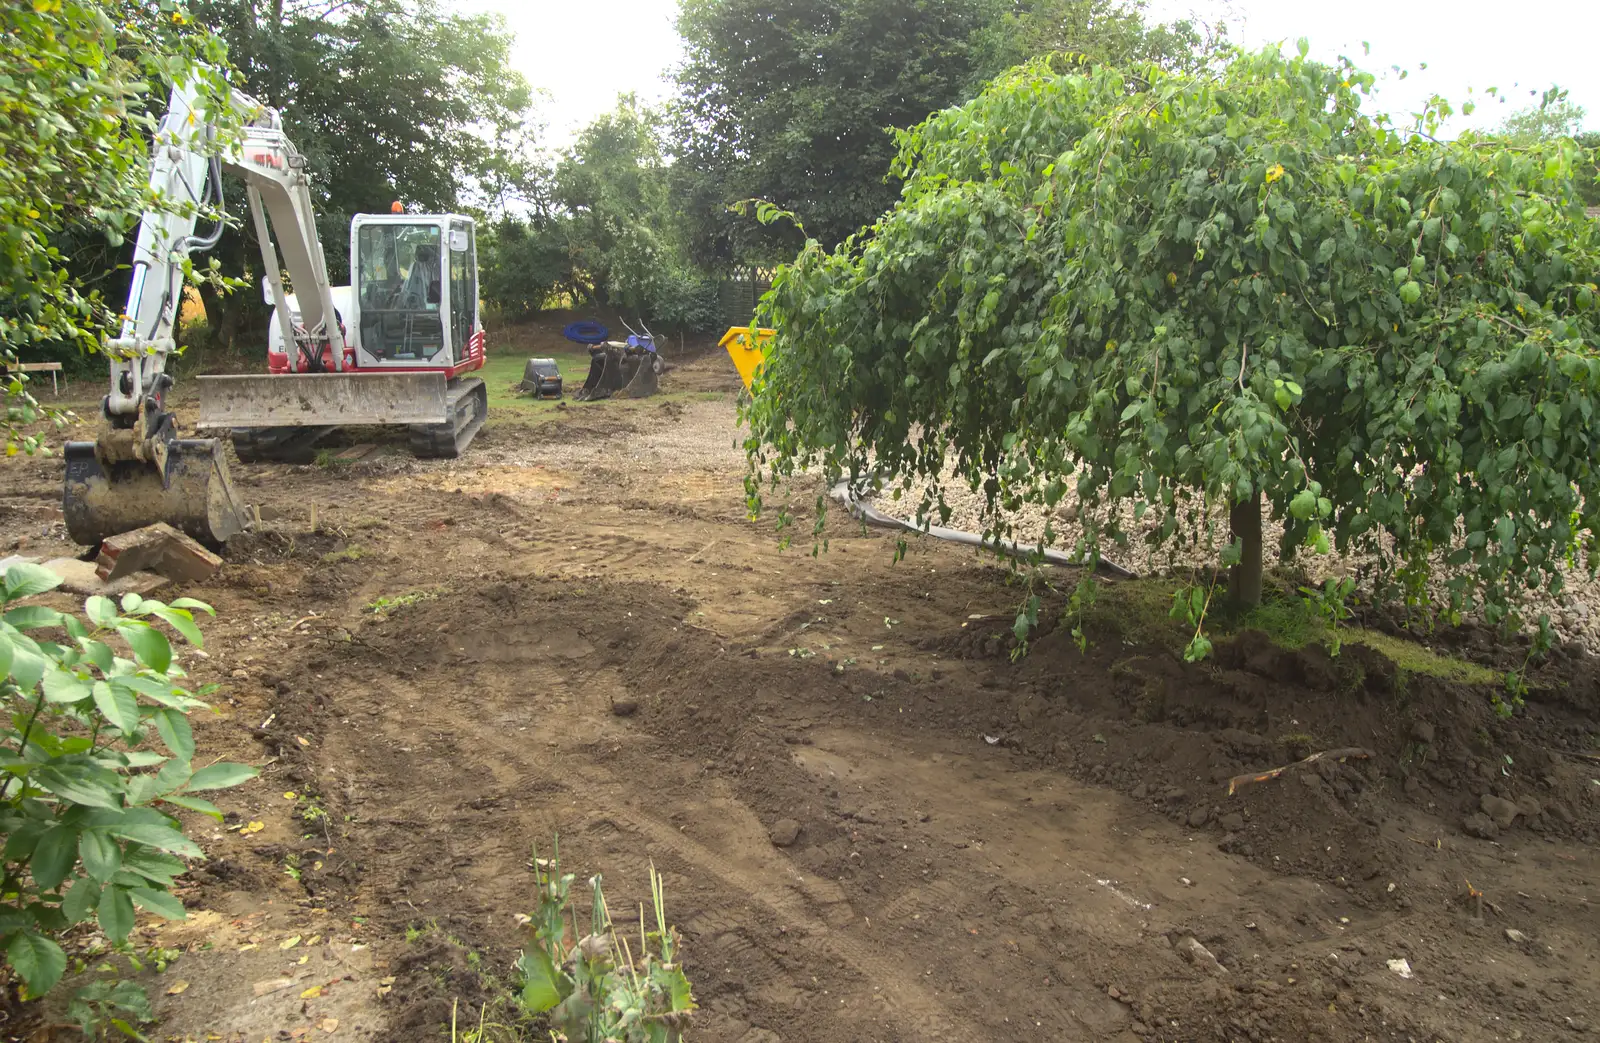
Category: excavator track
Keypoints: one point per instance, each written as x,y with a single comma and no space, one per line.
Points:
468,403
290,445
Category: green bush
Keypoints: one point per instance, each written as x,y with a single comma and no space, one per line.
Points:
684,300
83,800
525,265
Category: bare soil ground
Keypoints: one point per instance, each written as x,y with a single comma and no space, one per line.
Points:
872,823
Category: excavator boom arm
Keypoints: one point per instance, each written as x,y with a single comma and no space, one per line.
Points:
137,471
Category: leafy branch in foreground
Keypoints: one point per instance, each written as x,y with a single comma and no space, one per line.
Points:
597,989
84,802
1189,298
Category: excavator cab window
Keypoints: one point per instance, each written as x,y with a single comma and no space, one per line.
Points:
400,275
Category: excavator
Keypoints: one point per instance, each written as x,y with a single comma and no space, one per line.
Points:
394,349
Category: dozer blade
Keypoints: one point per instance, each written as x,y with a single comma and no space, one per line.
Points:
192,493
323,399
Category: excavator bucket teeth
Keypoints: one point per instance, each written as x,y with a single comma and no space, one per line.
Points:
192,493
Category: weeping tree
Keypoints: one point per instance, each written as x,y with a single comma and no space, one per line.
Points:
1192,298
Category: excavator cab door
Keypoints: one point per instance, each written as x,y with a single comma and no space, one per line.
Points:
404,310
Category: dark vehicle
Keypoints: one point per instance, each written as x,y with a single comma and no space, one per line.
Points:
541,377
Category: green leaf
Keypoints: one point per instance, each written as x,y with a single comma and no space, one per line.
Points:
27,666
542,987
38,961
99,654
191,604
118,706
101,855
24,579
183,623
157,866
116,914
54,857
24,838
149,644
174,729
161,903
64,686
33,617
205,807
145,788
75,783
674,985
220,776
100,610
81,900
164,838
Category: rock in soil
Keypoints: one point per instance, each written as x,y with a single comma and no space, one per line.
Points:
1481,826
1189,948
1502,811
624,707
785,832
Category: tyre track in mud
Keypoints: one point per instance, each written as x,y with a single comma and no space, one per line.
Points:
808,905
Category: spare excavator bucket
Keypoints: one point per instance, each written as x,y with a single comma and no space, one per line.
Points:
621,371
645,378
605,374
188,489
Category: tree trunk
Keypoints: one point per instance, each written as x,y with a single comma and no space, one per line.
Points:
1244,579
227,325
212,300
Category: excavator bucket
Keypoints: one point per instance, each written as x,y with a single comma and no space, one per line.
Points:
622,371
605,374
188,489
645,379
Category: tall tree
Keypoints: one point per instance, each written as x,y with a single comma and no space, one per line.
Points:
790,101
1555,115
794,102
1084,33
625,244
389,100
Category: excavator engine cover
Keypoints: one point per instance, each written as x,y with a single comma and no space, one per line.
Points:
190,491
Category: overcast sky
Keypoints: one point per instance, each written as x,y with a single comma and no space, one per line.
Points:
583,53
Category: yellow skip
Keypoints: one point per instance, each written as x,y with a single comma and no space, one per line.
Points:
746,348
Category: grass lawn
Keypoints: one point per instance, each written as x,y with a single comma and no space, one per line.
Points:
501,374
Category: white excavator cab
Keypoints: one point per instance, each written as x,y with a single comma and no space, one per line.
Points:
410,330
415,299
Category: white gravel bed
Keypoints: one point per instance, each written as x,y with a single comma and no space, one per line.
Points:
1575,618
